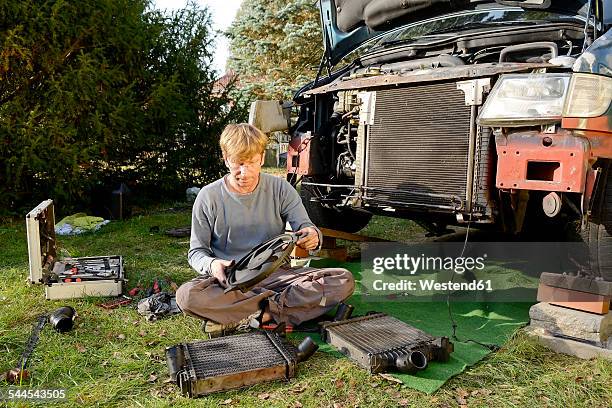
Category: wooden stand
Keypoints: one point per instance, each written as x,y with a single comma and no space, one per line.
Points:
330,248
574,299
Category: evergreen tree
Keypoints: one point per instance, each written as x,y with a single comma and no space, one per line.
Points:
275,46
101,91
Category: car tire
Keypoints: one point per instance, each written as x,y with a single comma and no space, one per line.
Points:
597,232
346,219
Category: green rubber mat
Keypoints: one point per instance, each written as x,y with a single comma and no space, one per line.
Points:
488,323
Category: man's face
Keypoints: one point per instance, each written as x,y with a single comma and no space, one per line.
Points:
245,172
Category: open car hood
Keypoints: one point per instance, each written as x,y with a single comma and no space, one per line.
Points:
348,23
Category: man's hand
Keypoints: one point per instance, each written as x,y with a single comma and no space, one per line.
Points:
217,270
309,238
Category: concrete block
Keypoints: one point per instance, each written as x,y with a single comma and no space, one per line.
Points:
568,322
571,347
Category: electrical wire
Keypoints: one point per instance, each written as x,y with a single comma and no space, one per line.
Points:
454,325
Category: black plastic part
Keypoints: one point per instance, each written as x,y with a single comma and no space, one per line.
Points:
554,51
175,359
411,363
343,312
445,347
62,319
306,349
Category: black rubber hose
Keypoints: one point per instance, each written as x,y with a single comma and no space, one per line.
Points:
306,349
62,319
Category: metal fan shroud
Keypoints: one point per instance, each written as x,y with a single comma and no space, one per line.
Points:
260,262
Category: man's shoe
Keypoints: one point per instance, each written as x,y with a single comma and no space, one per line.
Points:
214,329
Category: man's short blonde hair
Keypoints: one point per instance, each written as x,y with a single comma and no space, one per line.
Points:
242,141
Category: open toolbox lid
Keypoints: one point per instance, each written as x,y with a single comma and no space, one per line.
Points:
42,246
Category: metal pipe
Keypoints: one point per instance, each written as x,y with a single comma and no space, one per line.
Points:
409,204
469,191
62,319
343,312
418,359
412,362
384,190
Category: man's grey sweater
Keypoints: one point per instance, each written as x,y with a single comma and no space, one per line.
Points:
228,225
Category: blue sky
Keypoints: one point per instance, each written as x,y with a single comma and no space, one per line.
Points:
223,13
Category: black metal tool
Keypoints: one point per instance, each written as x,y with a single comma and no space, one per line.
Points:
19,373
61,319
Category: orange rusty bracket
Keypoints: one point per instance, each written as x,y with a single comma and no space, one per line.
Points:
597,130
598,124
591,180
298,155
532,160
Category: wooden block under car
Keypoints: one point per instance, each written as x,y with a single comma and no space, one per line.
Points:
339,254
574,299
299,252
579,283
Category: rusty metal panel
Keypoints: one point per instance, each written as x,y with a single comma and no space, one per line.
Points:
299,159
541,161
484,173
429,75
204,367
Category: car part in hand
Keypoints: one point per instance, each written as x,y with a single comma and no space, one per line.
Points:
260,262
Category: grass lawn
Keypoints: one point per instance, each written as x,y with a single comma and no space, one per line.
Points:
116,358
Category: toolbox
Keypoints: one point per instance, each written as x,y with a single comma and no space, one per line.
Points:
68,277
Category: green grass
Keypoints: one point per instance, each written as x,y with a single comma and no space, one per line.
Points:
116,358
276,171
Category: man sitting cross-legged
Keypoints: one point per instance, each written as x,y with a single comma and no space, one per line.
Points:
233,215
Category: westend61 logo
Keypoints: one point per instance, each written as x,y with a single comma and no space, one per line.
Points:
411,264
468,271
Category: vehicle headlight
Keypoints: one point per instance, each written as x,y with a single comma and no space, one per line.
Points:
525,99
589,96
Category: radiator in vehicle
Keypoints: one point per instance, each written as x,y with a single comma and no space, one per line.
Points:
417,148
